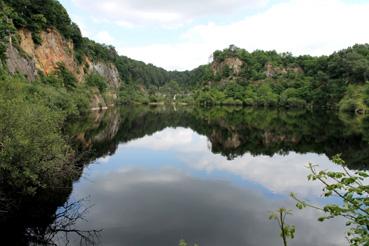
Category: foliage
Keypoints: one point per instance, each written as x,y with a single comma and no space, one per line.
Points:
352,188
272,79
287,231
37,15
355,99
32,147
95,80
67,78
6,27
184,243
132,94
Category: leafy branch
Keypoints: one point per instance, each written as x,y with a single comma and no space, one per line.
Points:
352,188
287,231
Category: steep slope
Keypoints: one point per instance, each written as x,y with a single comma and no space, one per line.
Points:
38,39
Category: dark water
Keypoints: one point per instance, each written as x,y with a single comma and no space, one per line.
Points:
152,176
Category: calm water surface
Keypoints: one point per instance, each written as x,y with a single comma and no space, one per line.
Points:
153,176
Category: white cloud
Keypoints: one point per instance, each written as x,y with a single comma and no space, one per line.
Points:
169,138
280,174
81,24
145,206
301,27
163,12
104,37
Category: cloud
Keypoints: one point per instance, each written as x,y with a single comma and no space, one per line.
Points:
163,12
104,37
301,27
269,172
193,150
146,207
183,139
313,27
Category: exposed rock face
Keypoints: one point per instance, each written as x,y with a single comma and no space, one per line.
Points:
272,71
46,57
53,50
108,71
17,63
234,63
31,59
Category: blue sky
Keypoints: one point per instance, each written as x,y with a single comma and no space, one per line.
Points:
181,35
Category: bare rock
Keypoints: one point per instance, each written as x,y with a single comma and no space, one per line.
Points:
16,63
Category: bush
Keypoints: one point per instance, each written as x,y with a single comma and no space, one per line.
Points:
96,80
231,101
249,102
355,99
69,81
295,103
32,148
348,105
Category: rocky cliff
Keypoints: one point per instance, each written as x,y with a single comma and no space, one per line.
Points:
271,71
30,59
53,50
233,64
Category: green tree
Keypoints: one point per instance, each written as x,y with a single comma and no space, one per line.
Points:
352,188
69,81
96,80
287,231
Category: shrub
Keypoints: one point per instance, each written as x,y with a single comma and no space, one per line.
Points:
67,77
295,103
96,80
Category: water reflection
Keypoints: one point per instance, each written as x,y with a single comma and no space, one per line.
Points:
156,175
158,206
232,132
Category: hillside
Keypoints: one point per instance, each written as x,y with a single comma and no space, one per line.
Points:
40,43
39,39
266,78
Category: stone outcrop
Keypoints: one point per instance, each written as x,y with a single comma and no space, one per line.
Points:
46,57
30,59
271,71
108,71
231,67
17,63
53,50
233,63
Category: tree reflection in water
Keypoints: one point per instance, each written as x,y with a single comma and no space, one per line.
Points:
64,227
28,215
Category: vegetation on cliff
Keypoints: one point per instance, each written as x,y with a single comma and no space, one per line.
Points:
31,118
266,78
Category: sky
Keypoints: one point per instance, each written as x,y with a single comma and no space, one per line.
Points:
182,34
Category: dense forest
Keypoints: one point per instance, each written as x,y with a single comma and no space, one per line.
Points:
266,78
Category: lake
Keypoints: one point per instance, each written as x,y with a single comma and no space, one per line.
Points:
211,176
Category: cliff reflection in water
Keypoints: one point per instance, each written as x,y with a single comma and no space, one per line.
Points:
232,132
